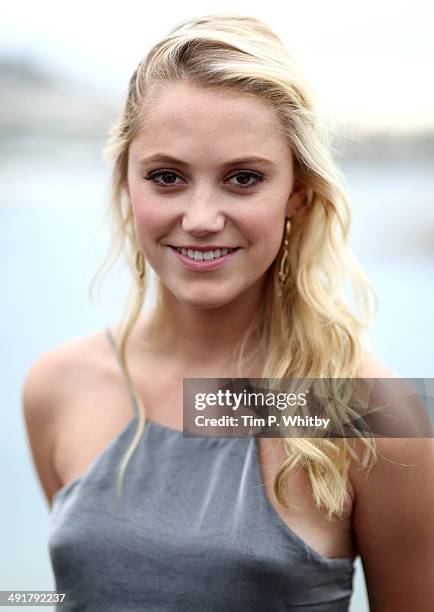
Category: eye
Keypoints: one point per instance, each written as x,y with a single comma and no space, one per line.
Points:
168,178
247,175
164,174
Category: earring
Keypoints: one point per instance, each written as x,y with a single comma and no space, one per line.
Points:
140,268
284,262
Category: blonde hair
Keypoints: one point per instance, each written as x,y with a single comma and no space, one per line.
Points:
310,332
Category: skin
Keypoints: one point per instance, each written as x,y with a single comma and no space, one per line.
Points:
203,313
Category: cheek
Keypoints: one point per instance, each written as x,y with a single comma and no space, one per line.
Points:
267,232
149,220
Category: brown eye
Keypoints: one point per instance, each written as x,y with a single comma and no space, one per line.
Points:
168,177
245,178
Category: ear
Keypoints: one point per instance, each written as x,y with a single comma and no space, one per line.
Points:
296,198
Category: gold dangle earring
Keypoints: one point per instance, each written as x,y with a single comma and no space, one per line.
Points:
284,262
140,268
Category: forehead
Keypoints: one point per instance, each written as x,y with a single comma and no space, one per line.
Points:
182,116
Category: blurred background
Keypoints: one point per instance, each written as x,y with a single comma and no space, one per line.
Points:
64,69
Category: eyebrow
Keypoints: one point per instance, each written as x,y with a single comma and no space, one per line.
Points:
163,157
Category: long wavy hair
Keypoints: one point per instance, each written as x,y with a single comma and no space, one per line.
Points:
310,332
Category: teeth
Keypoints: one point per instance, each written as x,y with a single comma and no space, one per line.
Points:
204,256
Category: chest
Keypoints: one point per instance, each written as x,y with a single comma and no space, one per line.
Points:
87,428
330,539
193,530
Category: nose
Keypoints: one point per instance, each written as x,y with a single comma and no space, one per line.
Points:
202,215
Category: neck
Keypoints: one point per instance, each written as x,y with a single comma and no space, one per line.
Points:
201,335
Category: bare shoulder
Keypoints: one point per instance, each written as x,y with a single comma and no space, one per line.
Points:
45,393
393,517
52,374
371,367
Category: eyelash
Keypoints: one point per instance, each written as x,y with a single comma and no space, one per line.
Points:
256,175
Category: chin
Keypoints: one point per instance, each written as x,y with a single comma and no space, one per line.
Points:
204,299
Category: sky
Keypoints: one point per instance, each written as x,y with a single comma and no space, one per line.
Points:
370,63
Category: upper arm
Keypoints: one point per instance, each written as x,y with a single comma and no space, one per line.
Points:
393,521
38,394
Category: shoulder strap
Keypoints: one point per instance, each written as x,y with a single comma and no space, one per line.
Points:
114,347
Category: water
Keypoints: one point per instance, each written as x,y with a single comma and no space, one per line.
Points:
52,202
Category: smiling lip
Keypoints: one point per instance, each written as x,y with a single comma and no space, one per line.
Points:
202,249
204,265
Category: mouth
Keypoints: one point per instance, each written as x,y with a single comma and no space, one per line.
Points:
201,254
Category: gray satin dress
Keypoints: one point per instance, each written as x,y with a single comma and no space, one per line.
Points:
192,532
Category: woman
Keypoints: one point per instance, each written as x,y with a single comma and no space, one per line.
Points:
224,186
